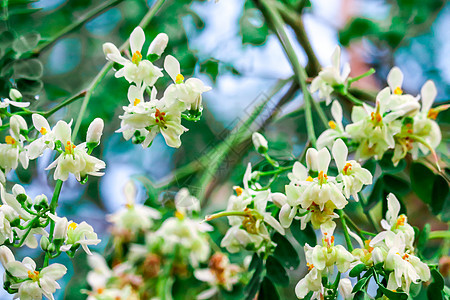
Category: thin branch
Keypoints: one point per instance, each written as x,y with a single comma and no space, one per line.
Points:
85,18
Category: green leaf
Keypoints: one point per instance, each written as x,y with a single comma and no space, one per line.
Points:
276,272
268,290
423,237
303,236
6,39
28,69
26,42
376,195
439,194
210,67
285,252
357,28
361,295
388,167
422,181
388,293
255,282
361,283
435,289
253,27
395,184
29,87
357,270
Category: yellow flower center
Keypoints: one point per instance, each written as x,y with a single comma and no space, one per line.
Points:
238,190
179,79
322,177
398,91
159,116
179,215
73,226
69,147
136,101
309,179
310,266
432,114
137,57
332,124
33,275
43,131
376,117
347,168
401,220
10,140
367,244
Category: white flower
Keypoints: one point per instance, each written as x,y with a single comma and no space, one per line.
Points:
13,151
321,190
237,239
74,159
46,141
61,224
99,275
219,274
15,95
6,102
352,175
331,77
95,131
7,215
425,125
324,257
311,282
406,268
395,223
373,128
137,70
186,233
185,202
336,129
189,92
11,201
407,104
35,284
150,118
133,217
6,256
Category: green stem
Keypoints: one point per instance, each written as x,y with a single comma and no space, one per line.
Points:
275,172
368,73
321,113
270,160
353,99
108,66
227,214
443,234
354,226
85,18
272,16
53,205
363,202
344,226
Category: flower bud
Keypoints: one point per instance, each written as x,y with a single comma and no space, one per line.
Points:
377,256
17,123
345,288
279,199
41,202
61,228
15,95
260,142
110,48
44,243
95,131
6,256
158,45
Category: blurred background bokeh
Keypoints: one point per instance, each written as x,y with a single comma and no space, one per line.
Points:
228,45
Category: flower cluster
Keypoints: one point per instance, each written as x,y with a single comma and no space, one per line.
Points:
248,218
313,195
398,122
143,120
22,219
176,247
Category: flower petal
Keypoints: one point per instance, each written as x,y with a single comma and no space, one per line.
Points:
340,152
172,67
137,39
428,93
395,78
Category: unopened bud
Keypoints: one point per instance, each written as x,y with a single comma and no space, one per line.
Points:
110,48
6,256
157,46
279,199
61,228
17,123
18,190
345,288
41,202
15,95
260,142
44,243
95,131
